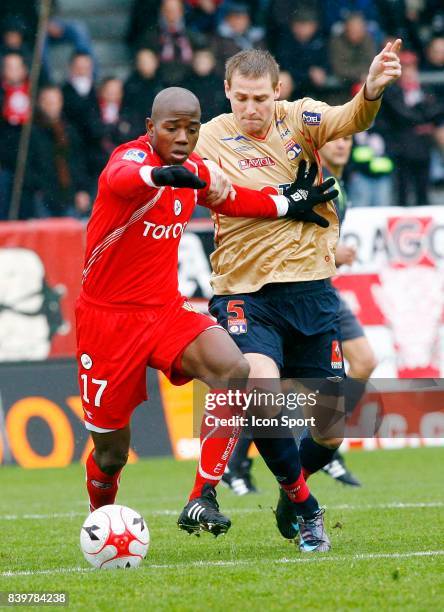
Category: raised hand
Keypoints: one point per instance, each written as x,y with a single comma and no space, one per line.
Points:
302,196
384,70
176,176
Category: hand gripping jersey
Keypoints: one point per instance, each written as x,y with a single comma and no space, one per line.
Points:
135,228
278,252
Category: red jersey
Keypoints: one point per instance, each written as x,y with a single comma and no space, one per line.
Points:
135,227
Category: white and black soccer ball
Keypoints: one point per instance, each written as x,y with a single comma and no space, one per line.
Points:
114,537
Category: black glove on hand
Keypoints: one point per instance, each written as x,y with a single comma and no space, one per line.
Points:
302,196
176,176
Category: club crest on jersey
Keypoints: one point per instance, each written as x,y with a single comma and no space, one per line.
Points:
311,118
237,326
257,162
135,155
177,207
292,149
336,355
86,361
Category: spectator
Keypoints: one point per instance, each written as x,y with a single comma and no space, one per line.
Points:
303,40
411,114
203,15
143,23
399,19
62,31
287,86
15,110
234,34
279,12
207,85
434,63
79,93
114,129
352,51
26,12
56,170
336,12
143,84
172,42
370,181
13,41
81,106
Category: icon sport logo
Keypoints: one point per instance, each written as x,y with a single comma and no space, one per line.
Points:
311,118
336,355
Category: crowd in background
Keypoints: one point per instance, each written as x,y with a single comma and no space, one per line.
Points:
324,48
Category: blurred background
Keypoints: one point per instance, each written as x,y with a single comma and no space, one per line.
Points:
104,61
98,66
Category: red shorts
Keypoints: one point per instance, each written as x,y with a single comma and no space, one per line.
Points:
114,348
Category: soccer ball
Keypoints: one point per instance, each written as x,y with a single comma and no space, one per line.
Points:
114,536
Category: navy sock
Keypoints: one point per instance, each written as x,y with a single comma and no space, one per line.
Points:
354,389
240,453
282,458
313,455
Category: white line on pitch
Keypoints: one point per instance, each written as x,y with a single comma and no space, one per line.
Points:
389,505
235,563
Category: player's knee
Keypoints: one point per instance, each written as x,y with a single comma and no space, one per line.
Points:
111,460
331,443
363,366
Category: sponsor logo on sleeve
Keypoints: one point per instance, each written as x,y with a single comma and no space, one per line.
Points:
257,162
311,118
135,155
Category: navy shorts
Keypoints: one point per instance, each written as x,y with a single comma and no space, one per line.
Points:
296,324
348,323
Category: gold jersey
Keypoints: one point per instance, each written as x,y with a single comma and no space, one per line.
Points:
250,253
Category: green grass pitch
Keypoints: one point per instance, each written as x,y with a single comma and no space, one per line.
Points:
387,538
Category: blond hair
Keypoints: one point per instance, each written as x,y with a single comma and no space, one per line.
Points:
253,64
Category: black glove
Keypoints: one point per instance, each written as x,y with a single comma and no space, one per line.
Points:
302,196
176,176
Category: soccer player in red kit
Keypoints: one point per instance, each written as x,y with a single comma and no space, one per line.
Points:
130,313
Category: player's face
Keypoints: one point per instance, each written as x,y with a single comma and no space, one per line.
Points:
337,152
252,102
174,135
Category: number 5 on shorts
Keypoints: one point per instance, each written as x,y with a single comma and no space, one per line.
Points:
101,384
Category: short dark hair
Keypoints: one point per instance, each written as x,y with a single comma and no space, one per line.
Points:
254,64
76,54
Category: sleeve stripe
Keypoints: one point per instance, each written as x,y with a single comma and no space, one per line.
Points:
281,204
145,175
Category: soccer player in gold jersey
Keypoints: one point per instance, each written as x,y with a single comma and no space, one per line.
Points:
271,282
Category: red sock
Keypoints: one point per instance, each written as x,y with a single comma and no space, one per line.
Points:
102,488
297,492
216,446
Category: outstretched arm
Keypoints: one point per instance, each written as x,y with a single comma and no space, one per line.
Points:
296,203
